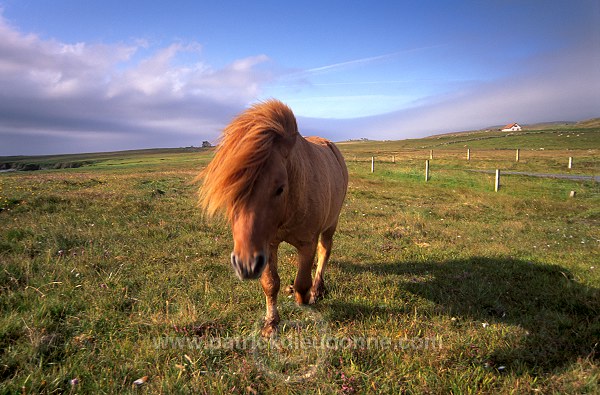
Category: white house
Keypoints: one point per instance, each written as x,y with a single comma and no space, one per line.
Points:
513,127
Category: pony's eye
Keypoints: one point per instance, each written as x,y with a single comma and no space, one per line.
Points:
279,191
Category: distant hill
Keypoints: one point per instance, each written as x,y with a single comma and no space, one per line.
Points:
553,125
536,126
65,161
548,135
548,125
590,123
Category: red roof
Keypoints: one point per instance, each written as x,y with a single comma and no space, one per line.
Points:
510,126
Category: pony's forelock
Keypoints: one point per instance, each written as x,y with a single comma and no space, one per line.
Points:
245,146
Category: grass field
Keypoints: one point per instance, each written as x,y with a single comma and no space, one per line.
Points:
110,276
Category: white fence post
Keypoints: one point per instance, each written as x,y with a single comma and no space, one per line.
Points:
570,162
372,164
497,183
517,155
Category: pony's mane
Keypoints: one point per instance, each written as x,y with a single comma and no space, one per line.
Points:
245,146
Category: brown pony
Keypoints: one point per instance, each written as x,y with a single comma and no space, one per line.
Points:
275,185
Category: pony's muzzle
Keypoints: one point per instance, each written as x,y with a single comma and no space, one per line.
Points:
250,269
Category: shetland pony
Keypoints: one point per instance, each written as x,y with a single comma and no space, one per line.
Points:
274,185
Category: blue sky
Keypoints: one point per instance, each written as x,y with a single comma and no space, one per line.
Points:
80,76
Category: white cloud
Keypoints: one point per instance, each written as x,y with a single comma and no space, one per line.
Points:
365,61
552,87
71,94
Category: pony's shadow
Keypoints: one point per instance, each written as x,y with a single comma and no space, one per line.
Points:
561,317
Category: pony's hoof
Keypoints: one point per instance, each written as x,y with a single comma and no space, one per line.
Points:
302,298
290,289
269,330
317,294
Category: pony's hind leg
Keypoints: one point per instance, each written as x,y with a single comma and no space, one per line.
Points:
303,281
324,251
270,284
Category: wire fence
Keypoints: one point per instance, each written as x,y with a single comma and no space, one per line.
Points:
538,169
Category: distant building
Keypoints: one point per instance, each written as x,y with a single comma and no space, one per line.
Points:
513,127
206,144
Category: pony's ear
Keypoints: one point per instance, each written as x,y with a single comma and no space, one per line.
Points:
287,142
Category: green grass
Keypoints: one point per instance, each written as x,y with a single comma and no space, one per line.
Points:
110,273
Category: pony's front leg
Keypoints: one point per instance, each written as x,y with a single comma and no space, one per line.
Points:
303,281
270,284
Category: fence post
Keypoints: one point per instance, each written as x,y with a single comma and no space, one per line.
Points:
427,170
570,162
393,158
372,164
497,183
517,155
430,154
468,153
